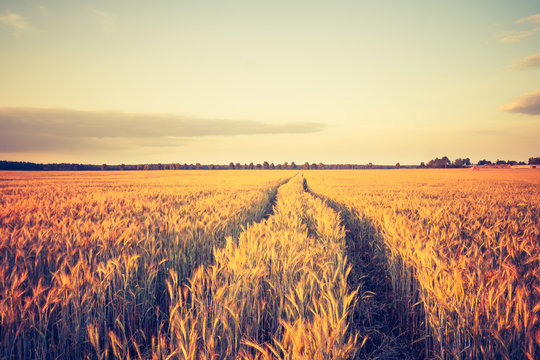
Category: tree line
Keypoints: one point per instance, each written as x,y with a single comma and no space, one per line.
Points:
19,165
443,162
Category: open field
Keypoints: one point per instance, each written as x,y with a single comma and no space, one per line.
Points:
460,250
86,256
285,264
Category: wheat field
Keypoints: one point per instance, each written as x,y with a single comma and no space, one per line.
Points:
85,257
270,264
461,249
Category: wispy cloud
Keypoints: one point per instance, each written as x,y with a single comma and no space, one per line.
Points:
528,104
534,19
15,22
107,21
30,129
516,36
527,62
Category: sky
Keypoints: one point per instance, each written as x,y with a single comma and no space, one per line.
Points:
279,81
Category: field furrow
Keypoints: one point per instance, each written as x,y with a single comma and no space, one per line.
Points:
280,291
376,315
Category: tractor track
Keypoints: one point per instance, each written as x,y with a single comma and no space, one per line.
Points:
375,314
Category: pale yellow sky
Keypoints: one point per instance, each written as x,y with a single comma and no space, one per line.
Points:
252,81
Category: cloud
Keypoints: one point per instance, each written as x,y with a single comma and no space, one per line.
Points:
525,104
517,36
106,20
527,62
32,129
534,19
15,22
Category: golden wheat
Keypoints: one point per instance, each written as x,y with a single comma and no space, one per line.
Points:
462,250
84,257
279,291
195,265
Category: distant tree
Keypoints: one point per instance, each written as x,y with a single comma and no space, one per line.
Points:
258,166
272,166
444,162
238,166
266,165
251,166
313,166
306,166
397,166
293,166
370,165
484,162
122,167
422,164
198,166
285,165
459,163
231,165
279,166
320,166
534,161
103,167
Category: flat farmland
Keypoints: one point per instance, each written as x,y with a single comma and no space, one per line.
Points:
457,253
270,264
